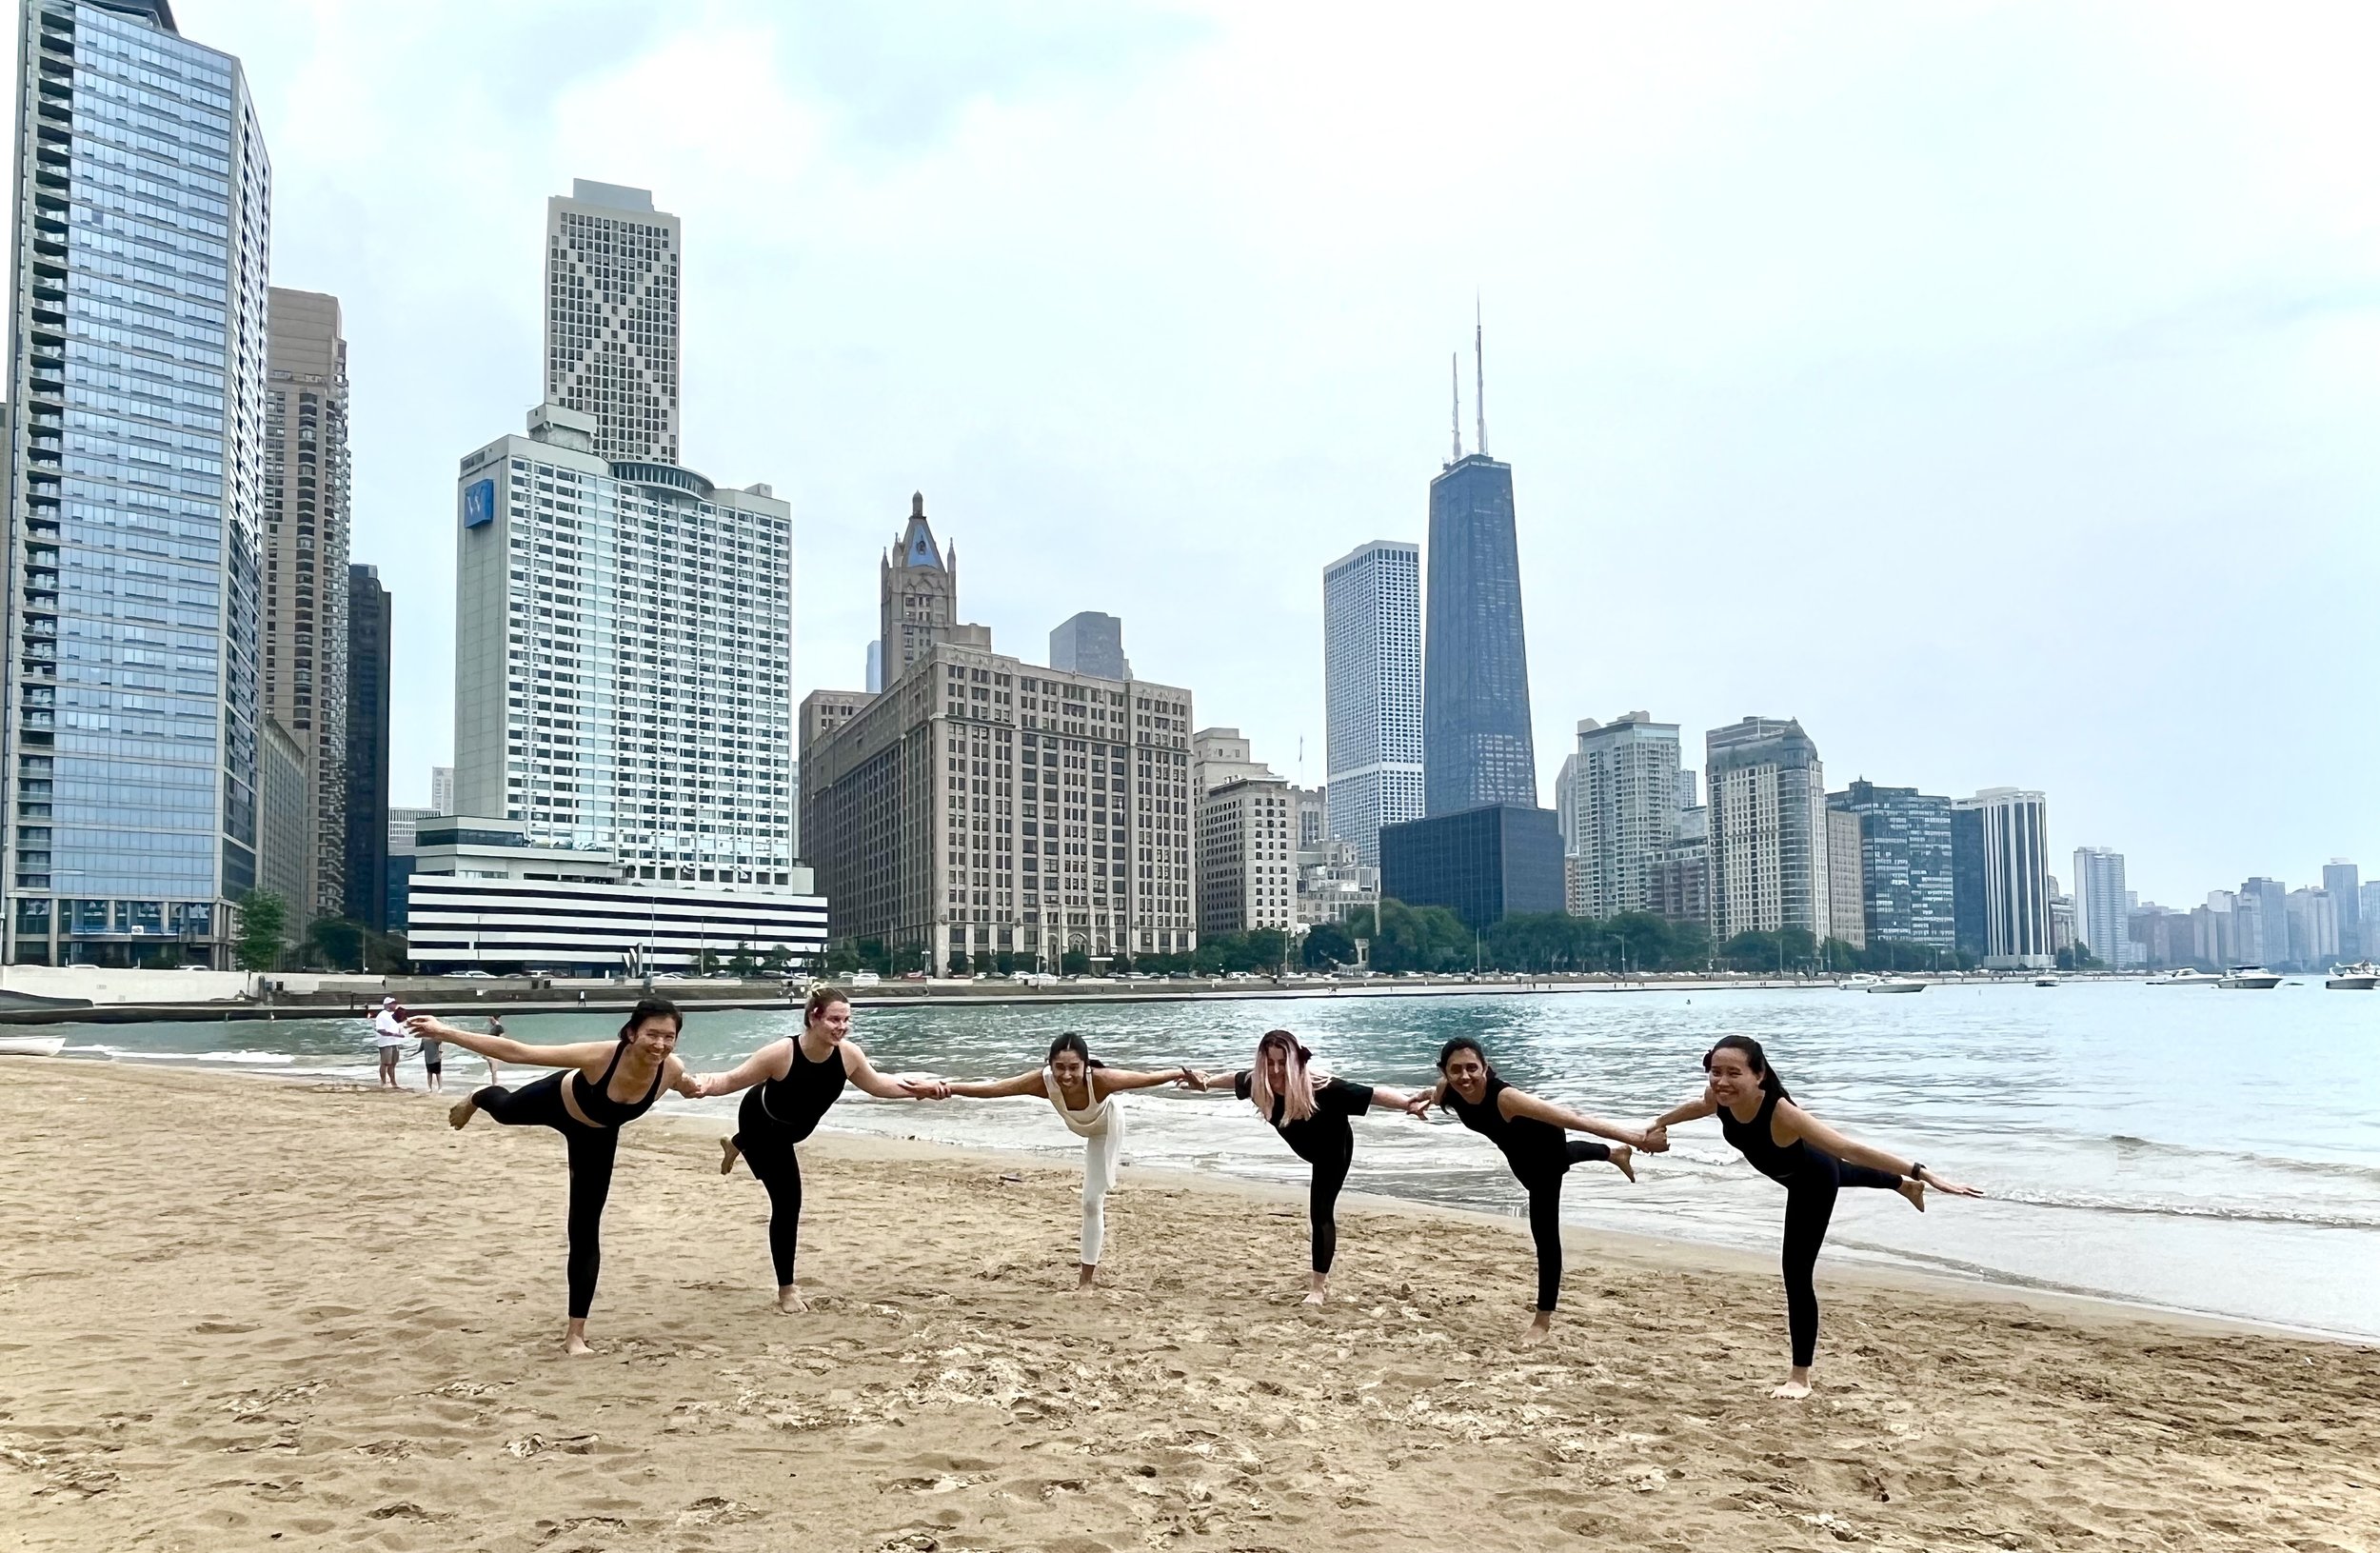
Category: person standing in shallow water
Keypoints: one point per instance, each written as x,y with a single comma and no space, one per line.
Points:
603,1086
787,1087
1310,1112
1809,1159
1085,1093
1532,1136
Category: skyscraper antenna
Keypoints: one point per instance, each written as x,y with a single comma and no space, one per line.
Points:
1478,357
1453,384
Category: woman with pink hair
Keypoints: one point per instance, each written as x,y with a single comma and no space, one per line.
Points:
1309,1112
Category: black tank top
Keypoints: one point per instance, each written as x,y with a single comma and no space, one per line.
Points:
797,1101
595,1101
1756,1143
1532,1147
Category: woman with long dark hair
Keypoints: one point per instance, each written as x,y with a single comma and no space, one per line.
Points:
1809,1159
1309,1112
603,1086
791,1084
1534,1136
1083,1090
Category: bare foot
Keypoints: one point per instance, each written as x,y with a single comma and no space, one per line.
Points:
1538,1329
1624,1160
1088,1270
459,1114
574,1341
790,1301
1791,1391
728,1156
1916,1192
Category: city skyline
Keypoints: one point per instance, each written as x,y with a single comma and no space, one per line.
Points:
1632,437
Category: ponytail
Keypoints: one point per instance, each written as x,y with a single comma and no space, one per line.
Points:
1297,1091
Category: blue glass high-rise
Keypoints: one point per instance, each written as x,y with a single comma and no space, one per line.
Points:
1476,743
136,390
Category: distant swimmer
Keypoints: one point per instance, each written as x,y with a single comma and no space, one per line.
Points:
1309,1112
606,1085
1533,1135
1083,1091
1810,1160
791,1084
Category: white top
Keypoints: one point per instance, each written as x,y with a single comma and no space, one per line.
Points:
1092,1120
386,1030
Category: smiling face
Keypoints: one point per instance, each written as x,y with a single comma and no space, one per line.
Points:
833,1021
1467,1074
1734,1082
655,1037
1069,1069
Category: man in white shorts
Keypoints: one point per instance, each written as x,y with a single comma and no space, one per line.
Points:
388,1035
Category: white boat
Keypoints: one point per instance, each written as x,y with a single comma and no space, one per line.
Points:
2045,981
32,1045
2251,979
1895,983
2360,977
2186,976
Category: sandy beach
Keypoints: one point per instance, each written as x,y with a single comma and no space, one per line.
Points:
251,1314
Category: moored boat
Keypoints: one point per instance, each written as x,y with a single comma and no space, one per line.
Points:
32,1045
2045,981
2360,977
2186,976
2250,979
1895,983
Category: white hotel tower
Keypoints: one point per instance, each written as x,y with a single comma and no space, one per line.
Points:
623,626
1372,692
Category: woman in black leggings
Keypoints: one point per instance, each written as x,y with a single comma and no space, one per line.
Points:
1310,1112
614,1083
1531,1134
1810,1160
789,1084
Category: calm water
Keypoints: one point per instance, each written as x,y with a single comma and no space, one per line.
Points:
2184,1146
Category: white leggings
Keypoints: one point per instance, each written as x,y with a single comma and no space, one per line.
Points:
1101,1157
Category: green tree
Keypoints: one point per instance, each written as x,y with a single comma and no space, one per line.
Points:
336,942
1327,945
959,962
1005,963
1076,963
742,962
263,929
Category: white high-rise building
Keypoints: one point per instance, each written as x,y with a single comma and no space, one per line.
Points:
137,360
1372,691
623,658
1768,835
2013,854
611,317
2102,908
441,789
1623,789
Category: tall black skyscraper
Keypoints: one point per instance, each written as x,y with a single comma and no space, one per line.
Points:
370,624
1476,745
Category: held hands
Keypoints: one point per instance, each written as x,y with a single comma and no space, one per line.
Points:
1654,1138
925,1086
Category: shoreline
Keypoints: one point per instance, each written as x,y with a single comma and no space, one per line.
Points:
302,1316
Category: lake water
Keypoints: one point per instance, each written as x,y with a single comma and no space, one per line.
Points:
2201,1150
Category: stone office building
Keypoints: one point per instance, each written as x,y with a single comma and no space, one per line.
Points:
983,805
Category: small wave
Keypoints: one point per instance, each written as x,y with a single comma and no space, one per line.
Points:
2336,1168
247,1059
2303,1217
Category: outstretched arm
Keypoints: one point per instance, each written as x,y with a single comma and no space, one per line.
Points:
768,1063
1391,1099
505,1050
1694,1110
1201,1079
1110,1080
870,1081
686,1082
1023,1083
1418,1103
1514,1102
1810,1131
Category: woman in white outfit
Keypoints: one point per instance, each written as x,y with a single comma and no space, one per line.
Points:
1084,1093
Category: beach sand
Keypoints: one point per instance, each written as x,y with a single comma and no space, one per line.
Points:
241,1314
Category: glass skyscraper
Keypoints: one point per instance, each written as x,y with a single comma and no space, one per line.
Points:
1906,869
1372,692
1476,745
137,360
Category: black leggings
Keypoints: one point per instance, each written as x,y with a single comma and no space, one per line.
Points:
1330,1174
1545,1218
591,1151
767,1147
1809,1204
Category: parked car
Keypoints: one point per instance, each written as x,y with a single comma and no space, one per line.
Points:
474,975
914,976
864,978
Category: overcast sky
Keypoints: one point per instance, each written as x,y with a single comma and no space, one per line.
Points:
1991,387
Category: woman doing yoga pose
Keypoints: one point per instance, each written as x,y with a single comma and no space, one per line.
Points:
1810,1160
1310,1112
1083,1090
604,1086
790,1083
1532,1135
